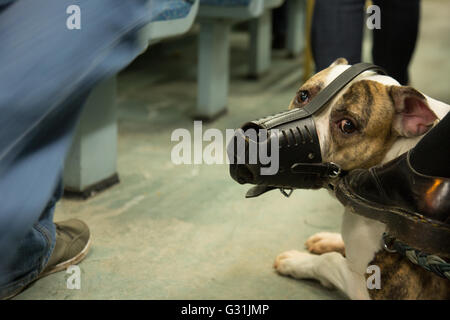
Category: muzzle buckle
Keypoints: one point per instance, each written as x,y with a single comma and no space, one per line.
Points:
285,193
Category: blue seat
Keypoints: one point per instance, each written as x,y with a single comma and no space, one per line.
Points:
175,10
175,18
216,18
86,172
226,2
296,25
235,9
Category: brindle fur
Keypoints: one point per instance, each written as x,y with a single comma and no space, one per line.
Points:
370,105
401,279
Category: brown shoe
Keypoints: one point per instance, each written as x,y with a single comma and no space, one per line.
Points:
73,240
415,207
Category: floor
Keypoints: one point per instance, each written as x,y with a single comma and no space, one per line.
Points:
187,232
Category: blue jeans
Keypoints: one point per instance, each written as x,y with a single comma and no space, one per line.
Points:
46,73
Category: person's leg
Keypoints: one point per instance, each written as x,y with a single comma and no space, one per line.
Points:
394,43
431,156
279,27
46,72
33,180
32,253
337,30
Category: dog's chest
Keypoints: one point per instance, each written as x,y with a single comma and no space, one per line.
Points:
401,279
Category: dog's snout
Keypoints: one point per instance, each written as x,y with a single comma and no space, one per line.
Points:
243,155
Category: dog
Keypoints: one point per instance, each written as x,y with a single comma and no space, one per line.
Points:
371,121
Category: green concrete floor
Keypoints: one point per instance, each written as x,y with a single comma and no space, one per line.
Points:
187,232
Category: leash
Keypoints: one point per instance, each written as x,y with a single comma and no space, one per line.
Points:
429,262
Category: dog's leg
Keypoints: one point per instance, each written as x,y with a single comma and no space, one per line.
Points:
323,242
362,236
331,269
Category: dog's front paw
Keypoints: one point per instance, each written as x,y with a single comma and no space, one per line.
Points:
323,242
293,263
299,265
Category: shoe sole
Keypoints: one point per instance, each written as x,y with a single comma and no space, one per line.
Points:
65,264
59,267
410,227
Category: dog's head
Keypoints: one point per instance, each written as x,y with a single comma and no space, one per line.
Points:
360,124
356,128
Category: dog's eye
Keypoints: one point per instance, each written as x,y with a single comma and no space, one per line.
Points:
347,126
303,95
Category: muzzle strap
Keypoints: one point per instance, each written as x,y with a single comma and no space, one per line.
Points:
324,96
324,170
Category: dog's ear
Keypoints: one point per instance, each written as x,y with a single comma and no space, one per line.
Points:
338,61
413,116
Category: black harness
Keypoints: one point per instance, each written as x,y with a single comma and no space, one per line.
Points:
300,160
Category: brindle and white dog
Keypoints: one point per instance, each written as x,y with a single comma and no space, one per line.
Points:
371,121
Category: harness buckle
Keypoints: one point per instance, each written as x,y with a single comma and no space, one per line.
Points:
335,170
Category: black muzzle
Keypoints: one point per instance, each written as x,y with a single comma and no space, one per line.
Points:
283,151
